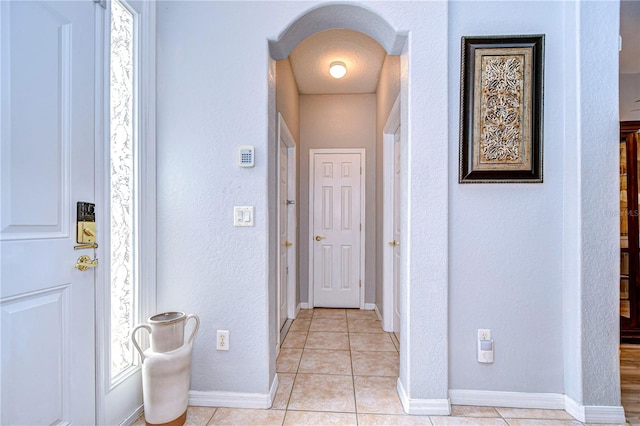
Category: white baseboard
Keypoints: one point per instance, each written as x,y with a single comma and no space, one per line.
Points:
297,310
367,306
234,399
378,313
133,417
549,401
594,413
423,407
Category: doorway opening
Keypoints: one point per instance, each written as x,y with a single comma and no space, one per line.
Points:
325,117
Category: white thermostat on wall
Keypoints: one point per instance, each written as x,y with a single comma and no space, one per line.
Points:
246,156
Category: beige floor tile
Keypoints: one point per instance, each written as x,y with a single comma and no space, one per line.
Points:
294,340
319,418
327,340
243,416
473,411
365,326
300,324
329,313
285,385
288,360
396,342
320,392
329,324
320,361
361,314
371,342
199,416
528,413
542,422
139,421
377,395
376,363
304,313
475,421
392,420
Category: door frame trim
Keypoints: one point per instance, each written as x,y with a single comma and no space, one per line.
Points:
362,152
285,134
145,84
388,134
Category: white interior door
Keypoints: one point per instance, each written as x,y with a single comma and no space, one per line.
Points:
396,231
47,154
284,243
336,203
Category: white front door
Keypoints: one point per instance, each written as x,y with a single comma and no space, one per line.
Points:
285,244
47,153
396,231
336,238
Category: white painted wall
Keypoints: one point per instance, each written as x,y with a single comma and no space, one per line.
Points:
338,121
288,104
524,260
386,94
506,239
629,95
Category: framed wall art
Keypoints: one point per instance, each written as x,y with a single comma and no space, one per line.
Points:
501,99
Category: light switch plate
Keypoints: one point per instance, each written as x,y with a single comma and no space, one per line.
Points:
243,216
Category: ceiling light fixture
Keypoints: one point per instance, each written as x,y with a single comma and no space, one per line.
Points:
337,69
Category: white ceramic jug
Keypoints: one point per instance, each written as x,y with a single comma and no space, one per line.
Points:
165,385
166,367
166,330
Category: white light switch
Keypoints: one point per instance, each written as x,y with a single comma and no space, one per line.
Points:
243,216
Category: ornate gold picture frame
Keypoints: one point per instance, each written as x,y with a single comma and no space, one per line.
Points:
501,99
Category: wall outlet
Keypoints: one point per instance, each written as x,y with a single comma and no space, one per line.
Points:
485,346
484,334
222,342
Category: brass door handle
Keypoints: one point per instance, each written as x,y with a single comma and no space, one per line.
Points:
319,238
85,262
287,244
394,243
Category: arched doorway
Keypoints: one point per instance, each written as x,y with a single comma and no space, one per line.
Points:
357,23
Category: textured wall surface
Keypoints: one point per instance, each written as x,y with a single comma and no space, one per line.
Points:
535,263
386,94
338,121
598,132
629,95
506,239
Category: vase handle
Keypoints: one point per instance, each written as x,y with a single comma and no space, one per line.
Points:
133,338
195,328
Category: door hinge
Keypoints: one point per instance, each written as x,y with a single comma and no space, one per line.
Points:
360,283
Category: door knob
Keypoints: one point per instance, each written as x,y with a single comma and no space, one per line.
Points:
287,244
319,238
394,243
85,262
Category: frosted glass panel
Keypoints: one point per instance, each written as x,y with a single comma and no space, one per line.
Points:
122,142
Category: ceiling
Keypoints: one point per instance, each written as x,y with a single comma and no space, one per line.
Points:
311,58
364,57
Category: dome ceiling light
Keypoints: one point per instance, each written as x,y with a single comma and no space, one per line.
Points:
337,69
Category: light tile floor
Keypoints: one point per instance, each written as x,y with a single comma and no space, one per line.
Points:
338,367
